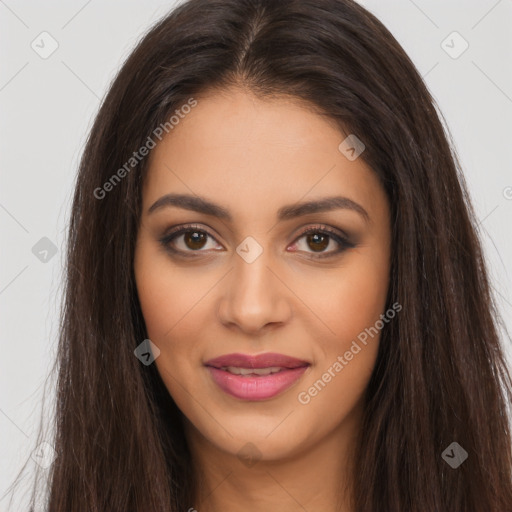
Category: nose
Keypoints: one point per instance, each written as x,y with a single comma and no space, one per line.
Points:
253,298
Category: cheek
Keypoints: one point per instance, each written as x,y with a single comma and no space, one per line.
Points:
174,304
167,294
351,300
362,299
351,306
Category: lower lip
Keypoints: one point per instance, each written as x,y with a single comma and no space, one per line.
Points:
256,387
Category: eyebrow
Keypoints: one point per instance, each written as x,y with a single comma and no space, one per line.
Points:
202,205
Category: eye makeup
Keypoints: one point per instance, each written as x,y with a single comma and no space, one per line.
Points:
197,234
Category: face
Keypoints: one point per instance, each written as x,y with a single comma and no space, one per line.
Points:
232,263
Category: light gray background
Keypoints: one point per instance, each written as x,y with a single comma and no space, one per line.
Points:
47,106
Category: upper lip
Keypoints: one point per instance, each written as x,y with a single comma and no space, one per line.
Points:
266,360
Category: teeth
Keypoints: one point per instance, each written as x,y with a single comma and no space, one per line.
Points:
252,371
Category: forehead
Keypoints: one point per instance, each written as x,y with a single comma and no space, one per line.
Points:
232,121
256,153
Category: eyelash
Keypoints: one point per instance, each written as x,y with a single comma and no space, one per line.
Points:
343,242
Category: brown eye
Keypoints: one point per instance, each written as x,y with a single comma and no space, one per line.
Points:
318,241
322,242
195,239
189,241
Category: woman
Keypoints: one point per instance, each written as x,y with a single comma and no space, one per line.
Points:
276,297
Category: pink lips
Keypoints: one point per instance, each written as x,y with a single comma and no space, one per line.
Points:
252,386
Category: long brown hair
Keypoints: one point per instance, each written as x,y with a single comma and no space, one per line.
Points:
440,375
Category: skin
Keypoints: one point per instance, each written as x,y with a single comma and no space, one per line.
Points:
252,157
